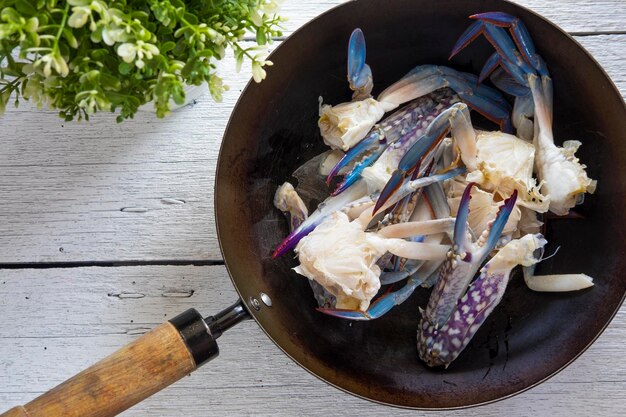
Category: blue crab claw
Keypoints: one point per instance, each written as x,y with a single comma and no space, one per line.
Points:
490,65
464,259
506,53
440,345
359,73
369,149
293,238
382,305
520,36
435,132
497,36
498,224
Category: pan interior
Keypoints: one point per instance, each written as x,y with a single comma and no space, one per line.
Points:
273,130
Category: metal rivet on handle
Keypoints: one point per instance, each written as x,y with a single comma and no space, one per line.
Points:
254,303
266,299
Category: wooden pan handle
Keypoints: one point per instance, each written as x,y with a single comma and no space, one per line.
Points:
133,373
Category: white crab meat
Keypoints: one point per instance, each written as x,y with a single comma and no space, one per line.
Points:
504,164
558,283
564,177
341,256
518,252
287,200
345,124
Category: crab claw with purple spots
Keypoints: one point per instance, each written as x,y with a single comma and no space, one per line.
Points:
440,345
463,261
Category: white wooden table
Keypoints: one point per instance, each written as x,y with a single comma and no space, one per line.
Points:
106,230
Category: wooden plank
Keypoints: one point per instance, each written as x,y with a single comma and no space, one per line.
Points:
57,321
578,16
610,52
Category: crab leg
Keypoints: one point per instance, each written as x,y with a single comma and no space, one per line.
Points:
382,305
425,79
330,205
519,34
289,202
386,302
563,177
408,229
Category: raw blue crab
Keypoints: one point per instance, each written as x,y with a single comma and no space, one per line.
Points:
353,126
389,220
563,177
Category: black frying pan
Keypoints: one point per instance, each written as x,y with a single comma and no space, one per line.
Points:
273,130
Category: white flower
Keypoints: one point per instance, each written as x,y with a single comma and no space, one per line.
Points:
113,34
127,51
34,91
80,15
90,101
130,52
53,61
270,6
258,73
343,125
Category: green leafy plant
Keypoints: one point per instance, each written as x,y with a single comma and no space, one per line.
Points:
84,56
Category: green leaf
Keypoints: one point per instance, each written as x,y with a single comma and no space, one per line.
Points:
181,45
110,82
178,3
25,7
70,38
9,15
191,18
205,53
125,68
10,72
167,46
96,35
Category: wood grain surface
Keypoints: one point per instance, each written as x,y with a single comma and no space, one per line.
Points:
76,200
129,375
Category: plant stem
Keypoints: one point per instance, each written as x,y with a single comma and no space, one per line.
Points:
11,85
66,10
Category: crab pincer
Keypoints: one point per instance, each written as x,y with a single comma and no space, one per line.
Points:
454,312
359,73
456,118
440,345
